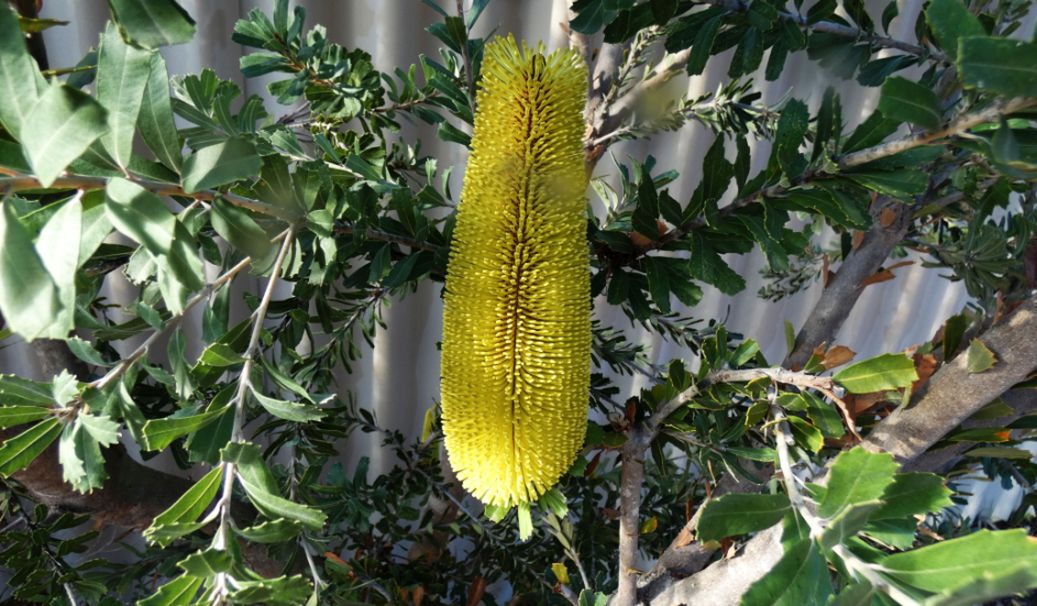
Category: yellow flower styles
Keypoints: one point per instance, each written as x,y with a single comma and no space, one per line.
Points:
516,322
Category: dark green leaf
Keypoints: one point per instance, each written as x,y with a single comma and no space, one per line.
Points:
856,476
998,65
979,357
913,493
847,523
950,21
205,564
736,514
300,412
236,226
188,507
271,531
18,451
909,101
141,215
160,433
178,592
800,578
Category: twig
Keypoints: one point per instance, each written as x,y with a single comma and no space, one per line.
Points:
222,537
466,59
371,233
999,108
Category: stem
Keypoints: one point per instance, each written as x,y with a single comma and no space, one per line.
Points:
222,537
962,123
854,565
632,477
15,181
465,58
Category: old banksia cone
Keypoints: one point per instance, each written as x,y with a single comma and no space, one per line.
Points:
516,323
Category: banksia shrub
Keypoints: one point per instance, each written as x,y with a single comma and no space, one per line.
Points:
516,323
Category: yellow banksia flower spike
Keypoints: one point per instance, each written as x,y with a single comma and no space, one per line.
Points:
516,321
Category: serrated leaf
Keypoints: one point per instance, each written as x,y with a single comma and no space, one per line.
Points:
909,101
736,514
262,490
960,561
225,162
18,451
979,357
887,371
856,476
153,23
205,564
285,590
122,74
800,578
271,531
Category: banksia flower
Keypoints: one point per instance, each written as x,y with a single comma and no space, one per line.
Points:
516,321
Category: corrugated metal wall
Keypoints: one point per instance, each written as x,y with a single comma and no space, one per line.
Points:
399,380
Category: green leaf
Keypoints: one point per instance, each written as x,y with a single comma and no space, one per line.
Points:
792,127
901,184
58,246
700,48
262,490
957,562
20,79
67,121
989,586
155,119
220,355
847,523
979,357
708,266
220,164
15,390
29,299
271,531
122,74
205,564
736,514
299,412
160,433
17,415
178,592
17,452
141,215
153,23
898,533
1000,452
82,464
909,101
859,594
590,598
283,590
856,476
887,371
949,21
913,493
188,507
800,578
806,435
998,65
236,226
